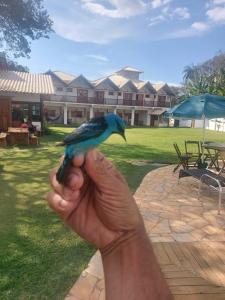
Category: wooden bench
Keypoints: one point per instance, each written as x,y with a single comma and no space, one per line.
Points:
34,140
3,142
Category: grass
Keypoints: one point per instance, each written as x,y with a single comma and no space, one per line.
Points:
40,258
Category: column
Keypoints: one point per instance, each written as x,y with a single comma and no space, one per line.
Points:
114,111
148,119
91,112
132,117
65,114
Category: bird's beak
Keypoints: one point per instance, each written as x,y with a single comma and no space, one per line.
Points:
123,136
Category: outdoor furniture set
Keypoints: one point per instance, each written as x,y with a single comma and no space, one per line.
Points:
18,136
194,164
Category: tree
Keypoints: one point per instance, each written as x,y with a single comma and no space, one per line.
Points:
20,22
7,64
208,77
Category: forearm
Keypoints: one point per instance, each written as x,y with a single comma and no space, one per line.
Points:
131,269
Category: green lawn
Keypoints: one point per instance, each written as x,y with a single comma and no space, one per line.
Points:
39,257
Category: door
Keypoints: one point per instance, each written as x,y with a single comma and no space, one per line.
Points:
127,98
82,96
5,114
140,100
100,95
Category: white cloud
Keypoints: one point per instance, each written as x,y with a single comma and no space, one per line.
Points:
157,20
216,14
196,29
169,14
89,29
100,58
122,8
200,26
158,3
217,2
116,8
183,12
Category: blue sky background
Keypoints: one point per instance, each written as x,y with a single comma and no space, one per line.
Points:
160,37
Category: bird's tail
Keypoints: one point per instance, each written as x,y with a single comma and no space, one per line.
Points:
61,173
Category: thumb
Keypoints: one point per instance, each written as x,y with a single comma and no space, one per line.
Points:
100,169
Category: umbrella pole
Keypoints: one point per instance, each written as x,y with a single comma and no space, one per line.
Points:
204,132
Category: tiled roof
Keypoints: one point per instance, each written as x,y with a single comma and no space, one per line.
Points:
145,84
164,87
118,80
22,82
67,78
130,69
158,86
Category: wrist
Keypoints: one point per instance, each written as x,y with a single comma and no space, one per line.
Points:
125,239
131,269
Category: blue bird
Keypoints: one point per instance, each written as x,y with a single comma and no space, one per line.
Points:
89,135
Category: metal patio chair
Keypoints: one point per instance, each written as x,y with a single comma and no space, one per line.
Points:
214,181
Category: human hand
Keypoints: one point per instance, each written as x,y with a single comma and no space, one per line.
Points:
95,201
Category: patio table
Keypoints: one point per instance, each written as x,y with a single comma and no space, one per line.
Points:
219,150
18,136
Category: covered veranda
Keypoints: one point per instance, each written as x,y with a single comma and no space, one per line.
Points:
188,237
76,113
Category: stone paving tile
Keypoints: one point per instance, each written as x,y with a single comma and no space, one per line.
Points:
162,227
178,226
172,213
83,287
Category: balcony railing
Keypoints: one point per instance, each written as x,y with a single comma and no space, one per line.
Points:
107,101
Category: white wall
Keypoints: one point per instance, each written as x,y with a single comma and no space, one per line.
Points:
184,123
26,97
217,124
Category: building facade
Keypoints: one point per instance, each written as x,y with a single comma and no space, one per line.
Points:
77,99
21,98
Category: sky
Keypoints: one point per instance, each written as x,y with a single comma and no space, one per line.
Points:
160,37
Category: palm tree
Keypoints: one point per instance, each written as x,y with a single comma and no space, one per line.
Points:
190,73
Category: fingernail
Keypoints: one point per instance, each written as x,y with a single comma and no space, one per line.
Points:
95,155
63,203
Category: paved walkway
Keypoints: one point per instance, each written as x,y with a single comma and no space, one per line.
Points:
188,238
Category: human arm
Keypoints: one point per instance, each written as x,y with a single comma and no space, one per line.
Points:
97,204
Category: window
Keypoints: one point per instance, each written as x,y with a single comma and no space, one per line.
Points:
82,93
147,96
76,114
119,94
162,98
111,93
128,96
70,90
20,112
59,89
26,111
35,112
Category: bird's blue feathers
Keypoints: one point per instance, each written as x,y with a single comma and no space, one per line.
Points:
89,135
91,129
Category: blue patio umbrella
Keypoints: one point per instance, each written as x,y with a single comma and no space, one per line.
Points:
199,107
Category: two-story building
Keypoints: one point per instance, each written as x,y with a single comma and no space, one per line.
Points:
77,99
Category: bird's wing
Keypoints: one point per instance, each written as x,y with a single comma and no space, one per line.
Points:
86,131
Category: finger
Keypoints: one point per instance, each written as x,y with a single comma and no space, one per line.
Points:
60,205
54,182
75,179
78,160
73,182
99,168
61,159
